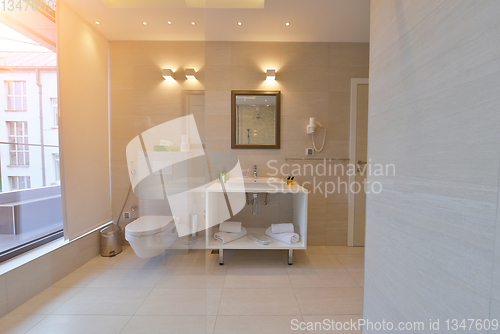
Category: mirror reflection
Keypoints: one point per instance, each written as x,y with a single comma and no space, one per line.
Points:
255,120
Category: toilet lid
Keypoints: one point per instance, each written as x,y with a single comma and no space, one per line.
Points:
147,225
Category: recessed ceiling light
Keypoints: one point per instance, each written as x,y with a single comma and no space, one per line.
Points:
193,23
287,24
239,23
145,23
97,22
169,22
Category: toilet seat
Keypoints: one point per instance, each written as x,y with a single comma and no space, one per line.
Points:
148,225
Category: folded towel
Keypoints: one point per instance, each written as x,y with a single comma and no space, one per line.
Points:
282,228
225,237
288,238
231,227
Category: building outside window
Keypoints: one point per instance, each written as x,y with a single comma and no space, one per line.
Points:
57,166
29,161
19,182
18,147
55,111
16,96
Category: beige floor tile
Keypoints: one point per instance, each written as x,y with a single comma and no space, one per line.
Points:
343,321
170,325
125,278
79,278
256,261
100,262
358,275
335,279
257,270
104,301
257,324
351,261
346,250
208,281
329,300
80,324
46,301
181,302
130,260
258,302
18,323
256,281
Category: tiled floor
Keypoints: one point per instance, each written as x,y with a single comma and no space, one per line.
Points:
180,292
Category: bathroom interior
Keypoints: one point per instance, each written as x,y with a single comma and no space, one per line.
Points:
208,153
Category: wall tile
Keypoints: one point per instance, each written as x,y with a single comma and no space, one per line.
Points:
494,312
305,54
218,53
23,283
28,280
340,77
304,79
4,309
217,78
259,54
433,110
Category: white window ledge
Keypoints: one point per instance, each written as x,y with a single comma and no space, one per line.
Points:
35,253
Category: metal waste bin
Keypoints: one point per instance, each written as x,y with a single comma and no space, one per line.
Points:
111,241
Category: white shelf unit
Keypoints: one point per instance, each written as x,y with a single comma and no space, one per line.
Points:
216,212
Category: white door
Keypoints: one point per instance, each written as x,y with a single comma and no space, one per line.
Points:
358,157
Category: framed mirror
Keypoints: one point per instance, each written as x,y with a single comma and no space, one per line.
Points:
255,119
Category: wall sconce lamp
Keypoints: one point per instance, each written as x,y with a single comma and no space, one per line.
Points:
271,74
167,74
190,73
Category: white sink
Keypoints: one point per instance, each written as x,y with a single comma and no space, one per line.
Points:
260,184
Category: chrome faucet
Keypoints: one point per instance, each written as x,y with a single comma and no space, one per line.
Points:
254,204
254,173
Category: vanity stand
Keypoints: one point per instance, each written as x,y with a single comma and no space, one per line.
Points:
215,214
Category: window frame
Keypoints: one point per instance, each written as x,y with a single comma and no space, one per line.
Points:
55,112
11,98
57,166
14,143
17,178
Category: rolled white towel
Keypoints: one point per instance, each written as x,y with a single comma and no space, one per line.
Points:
288,238
282,228
226,237
231,227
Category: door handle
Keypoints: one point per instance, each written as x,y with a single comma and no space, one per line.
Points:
360,163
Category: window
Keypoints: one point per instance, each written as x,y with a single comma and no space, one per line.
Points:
18,135
56,166
29,160
19,182
55,111
16,96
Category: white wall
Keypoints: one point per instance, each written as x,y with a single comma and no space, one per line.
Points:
434,97
83,101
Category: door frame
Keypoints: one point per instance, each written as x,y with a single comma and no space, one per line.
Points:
352,156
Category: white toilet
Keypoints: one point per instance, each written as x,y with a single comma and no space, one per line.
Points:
150,236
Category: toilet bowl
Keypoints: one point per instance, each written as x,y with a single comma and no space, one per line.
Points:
150,236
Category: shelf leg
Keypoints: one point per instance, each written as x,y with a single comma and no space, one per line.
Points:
290,256
221,257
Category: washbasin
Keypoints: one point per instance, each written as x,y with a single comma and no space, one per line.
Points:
259,184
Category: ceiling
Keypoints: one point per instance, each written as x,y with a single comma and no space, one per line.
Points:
309,20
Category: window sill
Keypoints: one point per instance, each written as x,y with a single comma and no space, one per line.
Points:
40,251
16,110
23,166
